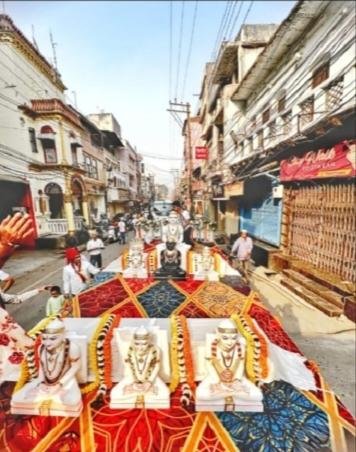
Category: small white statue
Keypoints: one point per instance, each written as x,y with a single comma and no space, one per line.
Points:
205,264
136,260
55,392
173,230
141,386
225,386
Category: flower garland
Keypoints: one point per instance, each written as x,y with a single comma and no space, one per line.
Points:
257,351
181,359
99,357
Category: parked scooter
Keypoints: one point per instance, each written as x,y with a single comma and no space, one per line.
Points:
112,235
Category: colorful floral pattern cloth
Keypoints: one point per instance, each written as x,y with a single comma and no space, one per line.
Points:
290,423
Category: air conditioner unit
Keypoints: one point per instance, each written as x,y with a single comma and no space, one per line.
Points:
277,192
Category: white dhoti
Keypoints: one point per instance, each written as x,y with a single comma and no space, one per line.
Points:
31,399
157,397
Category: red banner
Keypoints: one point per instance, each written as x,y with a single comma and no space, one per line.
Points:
339,161
201,152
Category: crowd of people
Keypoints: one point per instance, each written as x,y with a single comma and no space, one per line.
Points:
79,270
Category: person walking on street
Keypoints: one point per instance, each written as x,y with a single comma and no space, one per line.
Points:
94,247
242,248
122,229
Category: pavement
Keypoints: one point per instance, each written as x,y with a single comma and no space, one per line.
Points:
330,342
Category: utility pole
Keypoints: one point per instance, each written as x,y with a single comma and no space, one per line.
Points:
175,109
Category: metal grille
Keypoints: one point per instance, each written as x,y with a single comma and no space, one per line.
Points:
306,111
287,123
322,228
334,94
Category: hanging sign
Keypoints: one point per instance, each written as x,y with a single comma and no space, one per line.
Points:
201,152
338,161
235,189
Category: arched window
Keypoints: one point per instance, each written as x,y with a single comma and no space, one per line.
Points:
47,130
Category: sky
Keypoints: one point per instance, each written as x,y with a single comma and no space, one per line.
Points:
116,56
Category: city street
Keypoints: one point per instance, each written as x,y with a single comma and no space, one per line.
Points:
219,139
33,269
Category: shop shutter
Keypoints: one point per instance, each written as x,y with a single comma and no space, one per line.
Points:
263,221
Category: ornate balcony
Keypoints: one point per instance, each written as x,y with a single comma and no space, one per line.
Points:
48,107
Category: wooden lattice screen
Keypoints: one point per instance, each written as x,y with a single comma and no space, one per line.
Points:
319,225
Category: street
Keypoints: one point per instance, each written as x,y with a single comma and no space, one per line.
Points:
32,269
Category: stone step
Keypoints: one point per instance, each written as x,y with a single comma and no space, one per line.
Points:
329,280
310,297
324,292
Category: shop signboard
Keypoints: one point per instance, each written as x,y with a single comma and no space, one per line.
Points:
201,153
338,161
235,189
218,191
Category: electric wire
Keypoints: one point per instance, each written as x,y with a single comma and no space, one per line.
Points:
226,34
221,28
235,21
190,48
179,48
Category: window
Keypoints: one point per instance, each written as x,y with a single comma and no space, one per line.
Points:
260,139
272,131
50,153
95,169
73,149
320,74
281,104
250,145
306,111
265,115
33,141
334,94
287,123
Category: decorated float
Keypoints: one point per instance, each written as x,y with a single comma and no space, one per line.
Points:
168,351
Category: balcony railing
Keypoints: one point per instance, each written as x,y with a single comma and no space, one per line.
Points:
59,226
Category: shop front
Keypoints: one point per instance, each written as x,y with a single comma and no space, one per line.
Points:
320,213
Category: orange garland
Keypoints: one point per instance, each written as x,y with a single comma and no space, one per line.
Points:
187,353
107,352
263,358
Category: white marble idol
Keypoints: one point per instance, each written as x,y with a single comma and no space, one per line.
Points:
55,392
225,386
137,258
141,386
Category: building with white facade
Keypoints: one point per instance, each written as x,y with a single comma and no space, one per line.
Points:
38,133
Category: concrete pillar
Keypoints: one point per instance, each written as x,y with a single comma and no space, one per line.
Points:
64,159
85,209
68,211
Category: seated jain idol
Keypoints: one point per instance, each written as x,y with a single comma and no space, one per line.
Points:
55,392
225,386
141,386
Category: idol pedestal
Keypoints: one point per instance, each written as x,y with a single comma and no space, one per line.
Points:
66,402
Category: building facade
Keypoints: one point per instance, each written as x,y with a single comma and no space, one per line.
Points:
56,164
280,102
39,130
